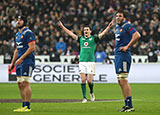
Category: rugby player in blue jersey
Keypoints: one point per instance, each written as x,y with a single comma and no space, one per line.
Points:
24,59
125,35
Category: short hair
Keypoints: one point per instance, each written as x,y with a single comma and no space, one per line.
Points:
87,26
124,12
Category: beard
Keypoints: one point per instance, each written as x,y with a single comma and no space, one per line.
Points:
20,27
120,21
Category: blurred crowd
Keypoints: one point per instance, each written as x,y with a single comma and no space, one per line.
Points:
42,16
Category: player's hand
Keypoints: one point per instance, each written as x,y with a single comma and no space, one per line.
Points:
19,61
60,24
11,67
125,48
111,23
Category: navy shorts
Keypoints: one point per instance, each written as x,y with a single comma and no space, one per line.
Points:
24,70
122,63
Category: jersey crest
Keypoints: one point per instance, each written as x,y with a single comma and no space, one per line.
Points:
85,43
22,37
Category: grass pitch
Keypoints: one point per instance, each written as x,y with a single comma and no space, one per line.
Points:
146,99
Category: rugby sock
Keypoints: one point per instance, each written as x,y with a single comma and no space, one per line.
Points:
90,87
129,101
23,104
126,104
28,104
83,87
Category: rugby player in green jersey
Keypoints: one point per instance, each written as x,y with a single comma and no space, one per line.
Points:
87,59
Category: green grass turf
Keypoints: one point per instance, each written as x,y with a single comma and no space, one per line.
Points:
146,99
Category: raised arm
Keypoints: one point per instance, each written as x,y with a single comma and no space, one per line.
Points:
105,30
74,36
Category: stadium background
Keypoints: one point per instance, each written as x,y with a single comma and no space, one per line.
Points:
42,16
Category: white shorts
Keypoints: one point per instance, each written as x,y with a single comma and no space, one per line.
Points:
87,67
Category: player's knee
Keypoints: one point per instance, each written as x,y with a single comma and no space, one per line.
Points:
25,84
83,80
121,83
20,85
89,81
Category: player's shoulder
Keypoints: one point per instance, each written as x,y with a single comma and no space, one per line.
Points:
80,36
94,36
27,31
126,24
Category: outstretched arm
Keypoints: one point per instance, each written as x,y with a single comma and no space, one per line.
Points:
134,39
74,36
106,30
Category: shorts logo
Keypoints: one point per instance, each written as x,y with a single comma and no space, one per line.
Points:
25,73
86,43
119,69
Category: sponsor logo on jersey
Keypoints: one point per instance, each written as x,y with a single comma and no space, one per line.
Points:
19,45
117,39
117,35
30,38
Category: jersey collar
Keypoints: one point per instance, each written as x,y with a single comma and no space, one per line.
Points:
124,23
23,30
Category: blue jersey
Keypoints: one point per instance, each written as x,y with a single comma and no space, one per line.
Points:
22,40
123,36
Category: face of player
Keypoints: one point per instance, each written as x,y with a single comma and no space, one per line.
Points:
120,18
20,23
87,31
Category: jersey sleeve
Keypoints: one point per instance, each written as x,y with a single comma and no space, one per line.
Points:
130,29
79,38
96,38
30,37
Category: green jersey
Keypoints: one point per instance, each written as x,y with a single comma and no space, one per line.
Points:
87,48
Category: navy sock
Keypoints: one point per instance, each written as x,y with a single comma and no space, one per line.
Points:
126,104
23,104
90,87
28,105
129,101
